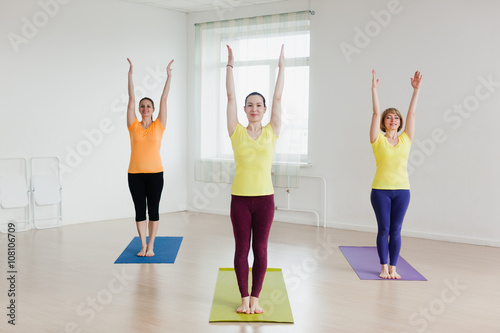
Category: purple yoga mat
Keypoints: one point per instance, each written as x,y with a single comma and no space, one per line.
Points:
365,262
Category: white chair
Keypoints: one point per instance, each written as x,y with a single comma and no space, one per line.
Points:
14,194
47,192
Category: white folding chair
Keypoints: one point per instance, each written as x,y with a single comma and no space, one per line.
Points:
47,192
14,194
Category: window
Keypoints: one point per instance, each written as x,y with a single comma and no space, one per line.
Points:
256,43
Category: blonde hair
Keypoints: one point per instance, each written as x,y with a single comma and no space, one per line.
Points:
390,111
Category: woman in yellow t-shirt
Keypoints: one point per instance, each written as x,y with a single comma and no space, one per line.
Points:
252,192
145,171
390,193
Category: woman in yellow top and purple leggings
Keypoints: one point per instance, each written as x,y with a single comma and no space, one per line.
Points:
145,172
252,192
390,194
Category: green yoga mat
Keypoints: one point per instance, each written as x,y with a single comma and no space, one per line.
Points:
273,299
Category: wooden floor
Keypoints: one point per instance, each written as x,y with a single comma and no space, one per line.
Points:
67,282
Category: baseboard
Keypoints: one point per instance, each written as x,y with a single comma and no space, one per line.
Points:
417,234
284,216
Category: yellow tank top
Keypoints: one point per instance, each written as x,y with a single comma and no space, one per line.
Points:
145,147
392,163
253,159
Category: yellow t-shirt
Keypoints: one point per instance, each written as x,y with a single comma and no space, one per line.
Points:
145,147
253,159
392,163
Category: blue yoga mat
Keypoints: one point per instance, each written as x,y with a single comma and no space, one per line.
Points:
365,262
165,250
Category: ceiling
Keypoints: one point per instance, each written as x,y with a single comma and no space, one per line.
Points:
189,6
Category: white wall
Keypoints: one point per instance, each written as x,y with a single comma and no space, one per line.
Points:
69,77
455,161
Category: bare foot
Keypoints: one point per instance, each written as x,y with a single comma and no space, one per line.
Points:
384,272
254,306
393,274
149,251
141,229
245,305
142,253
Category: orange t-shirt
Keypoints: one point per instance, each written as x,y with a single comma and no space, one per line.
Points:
145,147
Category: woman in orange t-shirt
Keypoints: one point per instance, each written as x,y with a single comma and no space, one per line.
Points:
145,172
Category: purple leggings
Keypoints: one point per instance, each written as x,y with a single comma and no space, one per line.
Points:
251,215
390,208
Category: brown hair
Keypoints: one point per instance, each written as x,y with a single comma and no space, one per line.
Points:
390,111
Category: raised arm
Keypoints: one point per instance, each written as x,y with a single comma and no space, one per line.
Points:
375,125
410,118
162,115
232,116
278,93
131,97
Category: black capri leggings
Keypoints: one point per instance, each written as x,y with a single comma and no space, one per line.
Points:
146,187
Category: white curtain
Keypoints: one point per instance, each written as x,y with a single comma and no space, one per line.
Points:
256,44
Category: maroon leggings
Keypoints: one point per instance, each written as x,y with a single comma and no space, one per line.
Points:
251,215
